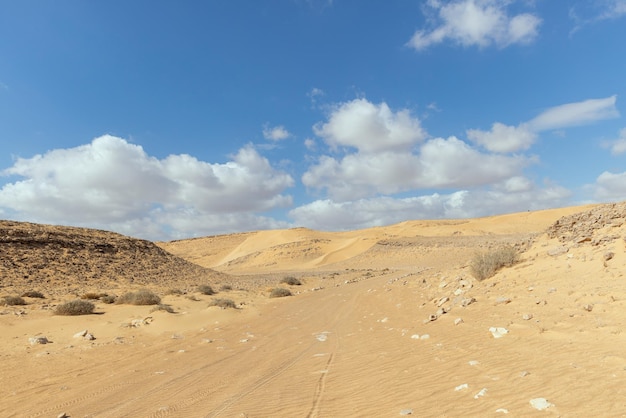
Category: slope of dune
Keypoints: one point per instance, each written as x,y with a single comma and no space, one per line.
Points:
392,323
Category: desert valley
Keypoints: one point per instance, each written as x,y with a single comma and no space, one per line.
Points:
384,322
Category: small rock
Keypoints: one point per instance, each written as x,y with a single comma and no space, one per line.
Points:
558,251
588,307
502,410
442,301
608,255
81,334
425,337
473,362
481,393
458,292
540,404
432,317
467,302
527,316
524,373
38,340
406,412
89,337
458,321
503,301
498,332
461,387
62,415
415,336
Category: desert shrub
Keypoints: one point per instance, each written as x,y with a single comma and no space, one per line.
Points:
280,292
93,296
108,299
291,281
486,264
140,297
75,307
226,288
223,303
33,294
193,298
176,292
205,289
12,301
163,307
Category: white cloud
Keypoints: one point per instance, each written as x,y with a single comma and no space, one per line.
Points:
276,133
503,138
112,184
377,211
440,163
609,187
370,128
310,144
479,23
575,114
618,146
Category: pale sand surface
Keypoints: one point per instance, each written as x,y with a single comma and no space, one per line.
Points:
345,344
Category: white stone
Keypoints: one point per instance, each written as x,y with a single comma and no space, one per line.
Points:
458,321
481,393
38,340
502,410
425,337
527,316
498,332
473,362
81,334
540,404
415,336
461,387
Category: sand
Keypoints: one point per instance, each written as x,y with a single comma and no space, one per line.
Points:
355,339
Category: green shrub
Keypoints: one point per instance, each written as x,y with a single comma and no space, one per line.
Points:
12,301
280,292
205,289
291,281
33,294
223,303
75,307
140,297
486,264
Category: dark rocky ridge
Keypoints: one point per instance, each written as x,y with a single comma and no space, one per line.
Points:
35,256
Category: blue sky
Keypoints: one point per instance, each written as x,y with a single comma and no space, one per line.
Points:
167,120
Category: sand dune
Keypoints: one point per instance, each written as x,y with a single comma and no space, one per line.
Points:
388,322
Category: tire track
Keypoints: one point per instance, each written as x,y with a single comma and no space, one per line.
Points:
320,388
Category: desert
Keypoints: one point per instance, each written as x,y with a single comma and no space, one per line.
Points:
381,322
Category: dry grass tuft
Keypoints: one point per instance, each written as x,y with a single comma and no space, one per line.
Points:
226,288
205,289
12,301
33,294
486,264
75,307
140,297
93,296
223,303
163,307
291,281
280,292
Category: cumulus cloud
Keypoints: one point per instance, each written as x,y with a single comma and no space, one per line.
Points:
276,133
369,127
609,187
503,138
440,163
618,146
112,184
575,114
479,23
514,195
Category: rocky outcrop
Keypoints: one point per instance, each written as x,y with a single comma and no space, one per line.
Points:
599,225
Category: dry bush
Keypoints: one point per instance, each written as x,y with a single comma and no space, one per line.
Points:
205,289
140,297
486,264
33,294
93,296
280,292
108,299
176,292
163,307
12,301
226,288
75,307
291,281
223,303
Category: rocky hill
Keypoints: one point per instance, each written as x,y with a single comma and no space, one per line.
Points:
61,259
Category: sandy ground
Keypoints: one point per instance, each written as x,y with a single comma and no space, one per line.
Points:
355,340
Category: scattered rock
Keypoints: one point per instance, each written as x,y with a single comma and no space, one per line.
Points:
554,252
498,332
503,301
608,255
89,337
458,321
425,337
588,307
442,301
415,336
406,412
81,334
461,387
524,373
467,302
502,410
540,404
63,415
527,316
481,393
38,340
